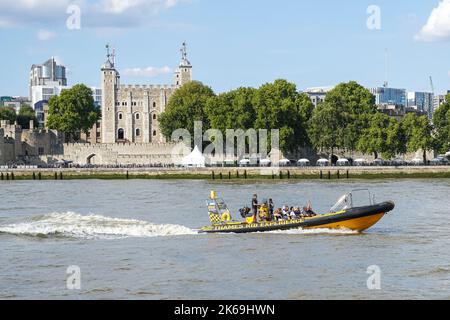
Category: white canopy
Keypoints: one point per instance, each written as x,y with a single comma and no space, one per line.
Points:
244,162
322,160
360,160
447,154
265,162
194,159
417,160
284,161
303,161
343,160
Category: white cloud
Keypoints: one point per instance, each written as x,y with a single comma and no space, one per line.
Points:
94,13
149,72
45,35
438,24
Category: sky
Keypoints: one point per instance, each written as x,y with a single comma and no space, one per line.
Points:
231,43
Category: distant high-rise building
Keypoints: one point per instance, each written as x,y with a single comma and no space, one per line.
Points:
421,101
391,96
437,101
317,94
46,80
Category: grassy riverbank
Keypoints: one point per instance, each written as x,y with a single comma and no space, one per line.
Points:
223,174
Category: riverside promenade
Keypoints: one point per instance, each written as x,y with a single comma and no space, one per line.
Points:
228,173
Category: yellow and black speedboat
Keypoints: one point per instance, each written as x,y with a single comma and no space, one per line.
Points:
345,214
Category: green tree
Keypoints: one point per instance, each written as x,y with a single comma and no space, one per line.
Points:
232,110
355,105
326,127
186,105
26,113
8,113
73,111
418,131
381,136
441,121
279,106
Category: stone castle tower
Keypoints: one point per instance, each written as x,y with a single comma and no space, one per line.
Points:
130,113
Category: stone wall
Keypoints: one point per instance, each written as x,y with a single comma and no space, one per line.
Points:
122,153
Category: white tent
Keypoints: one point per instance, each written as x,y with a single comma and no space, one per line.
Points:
378,161
194,159
284,162
398,162
447,155
360,162
303,162
265,162
417,161
323,162
244,162
342,162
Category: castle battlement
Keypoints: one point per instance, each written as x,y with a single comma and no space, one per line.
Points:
133,87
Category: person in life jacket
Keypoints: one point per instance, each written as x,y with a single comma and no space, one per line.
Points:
255,208
264,212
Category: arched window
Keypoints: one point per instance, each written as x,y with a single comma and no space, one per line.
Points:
120,116
154,133
154,116
154,105
137,116
138,132
120,134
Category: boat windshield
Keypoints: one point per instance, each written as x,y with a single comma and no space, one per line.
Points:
217,206
356,198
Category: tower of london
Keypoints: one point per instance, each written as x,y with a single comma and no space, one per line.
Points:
130,112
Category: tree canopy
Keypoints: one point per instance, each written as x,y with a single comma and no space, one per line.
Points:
26,113
73,111
186,105
441,121
8,113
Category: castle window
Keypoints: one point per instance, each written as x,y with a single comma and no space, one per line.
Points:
138,132
137,116
154,117
120,134
120,116
154,133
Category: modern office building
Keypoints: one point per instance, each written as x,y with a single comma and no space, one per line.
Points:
15,102
437,101
390,96
317,94
46,80
421,101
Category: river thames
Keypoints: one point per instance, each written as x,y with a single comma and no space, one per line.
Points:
137,239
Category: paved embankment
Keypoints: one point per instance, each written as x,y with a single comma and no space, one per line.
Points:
227,173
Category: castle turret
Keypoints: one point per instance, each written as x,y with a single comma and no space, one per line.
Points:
183,74
110,85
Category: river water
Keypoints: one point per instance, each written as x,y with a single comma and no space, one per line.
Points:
136,239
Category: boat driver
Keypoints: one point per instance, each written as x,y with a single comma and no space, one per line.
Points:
255,207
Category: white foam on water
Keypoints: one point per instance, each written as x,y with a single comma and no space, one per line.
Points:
71,224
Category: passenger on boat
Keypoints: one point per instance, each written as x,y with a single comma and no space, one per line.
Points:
297,212
308,211
264,212
271,208
285,212
277,215
255,207
292,213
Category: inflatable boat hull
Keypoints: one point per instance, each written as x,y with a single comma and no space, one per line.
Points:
355,219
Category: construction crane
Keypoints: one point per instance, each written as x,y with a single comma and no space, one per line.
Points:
432,85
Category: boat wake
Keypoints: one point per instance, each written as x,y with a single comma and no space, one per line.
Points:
73,225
